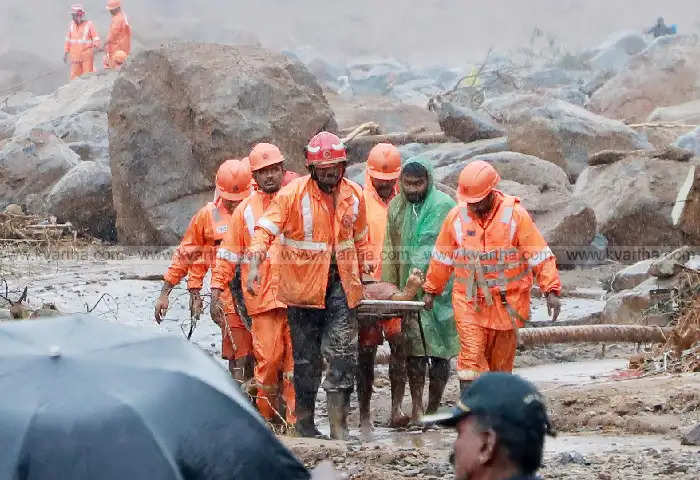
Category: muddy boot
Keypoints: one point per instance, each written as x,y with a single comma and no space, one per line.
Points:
365,379
338,414
415,367
439,374
397,378
305,423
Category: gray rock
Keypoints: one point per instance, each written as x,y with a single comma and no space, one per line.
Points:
614,54
7,125
690,141
445,154
627,306
30,166
685,214
631,276
633,200
671,264
18,102
666,73
517,167
84,197
178,111
684,113
558,131
692,437
466,124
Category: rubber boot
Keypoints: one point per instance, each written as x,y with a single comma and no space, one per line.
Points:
338,414
439,374
365,379
305,423
415,367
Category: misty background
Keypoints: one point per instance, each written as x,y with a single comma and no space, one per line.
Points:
428,32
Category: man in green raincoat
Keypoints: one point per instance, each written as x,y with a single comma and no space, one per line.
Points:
415,218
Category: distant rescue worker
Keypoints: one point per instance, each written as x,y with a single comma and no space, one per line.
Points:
381,186
119,36
660,29
272,344
493,247
415,218
81,41
196,254
321,224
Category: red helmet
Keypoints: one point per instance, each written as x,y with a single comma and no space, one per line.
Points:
476,181
325,148
233,180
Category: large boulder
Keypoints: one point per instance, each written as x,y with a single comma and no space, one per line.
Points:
690,141
446,154
614,54
77,114
685,214
631,276
30,166
466,124
664,74
558,131
633,200
517,167
7,125
83,196
685,113
178,111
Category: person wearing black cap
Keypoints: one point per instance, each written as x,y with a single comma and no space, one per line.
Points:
501,421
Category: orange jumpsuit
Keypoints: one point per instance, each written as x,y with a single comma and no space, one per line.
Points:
118,38
311,238
81,40
272,344
377,211
193,257
494,261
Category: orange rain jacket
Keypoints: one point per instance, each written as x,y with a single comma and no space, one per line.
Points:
377,213
493,263
233,250
309,238
119,36
81,40
197,250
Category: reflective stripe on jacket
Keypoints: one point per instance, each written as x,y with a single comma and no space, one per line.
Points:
80,40
310,238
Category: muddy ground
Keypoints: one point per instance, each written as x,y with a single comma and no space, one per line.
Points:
611,424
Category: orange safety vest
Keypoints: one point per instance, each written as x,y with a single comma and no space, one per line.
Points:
233,251
119,37
80,41
489,267
197,251
377,213
309,239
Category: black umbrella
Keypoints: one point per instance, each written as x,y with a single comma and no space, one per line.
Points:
81,398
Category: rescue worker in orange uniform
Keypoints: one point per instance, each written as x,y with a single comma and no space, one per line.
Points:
321,224
381,185
197,253
272,344
494,249
81,42
119,36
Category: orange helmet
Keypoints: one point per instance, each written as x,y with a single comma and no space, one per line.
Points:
325,148
263,155
114,4
476,181
384,162
233,180
119,57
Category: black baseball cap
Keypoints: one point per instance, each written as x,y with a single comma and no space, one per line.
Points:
508,396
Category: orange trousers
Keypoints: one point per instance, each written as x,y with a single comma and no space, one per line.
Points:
236,340
80,67
484,349
272,347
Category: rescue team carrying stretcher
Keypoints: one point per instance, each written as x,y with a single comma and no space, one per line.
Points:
305,251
